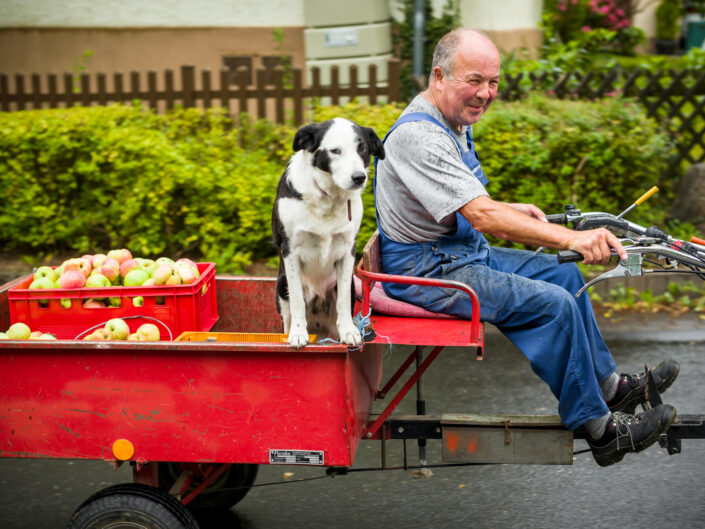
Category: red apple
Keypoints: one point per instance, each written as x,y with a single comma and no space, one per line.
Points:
72,279
120,256
128,265
111,269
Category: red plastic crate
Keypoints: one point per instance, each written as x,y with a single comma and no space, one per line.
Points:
179,308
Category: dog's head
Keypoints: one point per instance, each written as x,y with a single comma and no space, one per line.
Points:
340,148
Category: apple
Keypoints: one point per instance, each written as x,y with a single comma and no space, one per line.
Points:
114,301
66,303
47,336
128,265
46,271
34,335
132,337
18,331
138,301
164,260
174,279
148,332
69,264
89,258
93,304
72,279
135,277
99,259
99,335
149,282
162,273
80,263
187,273
120,256
148,265
111,269
118,328
187,261
97,280
4,336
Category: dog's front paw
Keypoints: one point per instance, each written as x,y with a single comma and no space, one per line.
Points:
349,334
298,338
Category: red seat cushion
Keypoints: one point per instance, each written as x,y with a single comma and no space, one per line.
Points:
380,302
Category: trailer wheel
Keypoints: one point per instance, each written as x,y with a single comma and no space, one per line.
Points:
133,506
227,490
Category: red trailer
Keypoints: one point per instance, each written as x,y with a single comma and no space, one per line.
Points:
196,418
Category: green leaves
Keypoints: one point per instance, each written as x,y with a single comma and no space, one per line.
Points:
194,183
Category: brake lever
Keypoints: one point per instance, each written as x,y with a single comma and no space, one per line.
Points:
629,267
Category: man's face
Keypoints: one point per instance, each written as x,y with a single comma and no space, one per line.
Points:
468,92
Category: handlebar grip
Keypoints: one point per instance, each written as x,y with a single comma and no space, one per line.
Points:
558,218
569,256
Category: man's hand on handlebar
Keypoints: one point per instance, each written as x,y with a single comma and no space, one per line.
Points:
595,246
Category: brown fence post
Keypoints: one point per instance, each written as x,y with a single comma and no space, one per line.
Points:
19,91
206,86
393,76
298,96
188,82
372,84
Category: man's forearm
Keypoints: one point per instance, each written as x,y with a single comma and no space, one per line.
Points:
507,222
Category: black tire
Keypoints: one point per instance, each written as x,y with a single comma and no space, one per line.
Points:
133,506
230,487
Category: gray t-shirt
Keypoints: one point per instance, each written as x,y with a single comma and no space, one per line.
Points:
422,180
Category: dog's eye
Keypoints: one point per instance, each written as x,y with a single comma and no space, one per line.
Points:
361,148
335,151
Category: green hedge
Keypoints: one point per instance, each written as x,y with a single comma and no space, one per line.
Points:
190,183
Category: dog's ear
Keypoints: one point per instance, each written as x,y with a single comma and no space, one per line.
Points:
375,144
308,138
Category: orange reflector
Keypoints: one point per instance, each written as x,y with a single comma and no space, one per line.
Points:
123,449
251,337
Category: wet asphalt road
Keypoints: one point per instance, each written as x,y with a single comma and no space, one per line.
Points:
650,489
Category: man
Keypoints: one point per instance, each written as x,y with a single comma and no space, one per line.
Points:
432,210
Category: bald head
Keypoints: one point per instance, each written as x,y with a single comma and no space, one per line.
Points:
465,76
444,56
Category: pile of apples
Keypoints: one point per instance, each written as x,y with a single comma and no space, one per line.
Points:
116,268
117,329
21,331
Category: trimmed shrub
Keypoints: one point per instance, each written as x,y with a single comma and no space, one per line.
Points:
190,183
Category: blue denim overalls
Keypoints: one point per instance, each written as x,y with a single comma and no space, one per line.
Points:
530,298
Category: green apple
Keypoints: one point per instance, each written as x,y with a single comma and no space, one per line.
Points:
42,282
118,328
18,331
66,303
46,271
4,336
115,301
138,301
135,277
97,281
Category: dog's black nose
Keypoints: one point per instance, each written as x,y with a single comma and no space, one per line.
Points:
359,178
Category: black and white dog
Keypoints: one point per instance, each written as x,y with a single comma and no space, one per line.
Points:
316,217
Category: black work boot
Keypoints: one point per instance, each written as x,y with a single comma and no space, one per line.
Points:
630,433
632,388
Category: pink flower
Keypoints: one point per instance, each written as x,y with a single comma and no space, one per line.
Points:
623,24
619,12
560,7
586,29
605,9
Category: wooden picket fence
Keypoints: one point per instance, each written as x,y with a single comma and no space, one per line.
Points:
270,96
675,98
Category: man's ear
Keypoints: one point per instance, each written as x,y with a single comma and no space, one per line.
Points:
374,143
308,138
